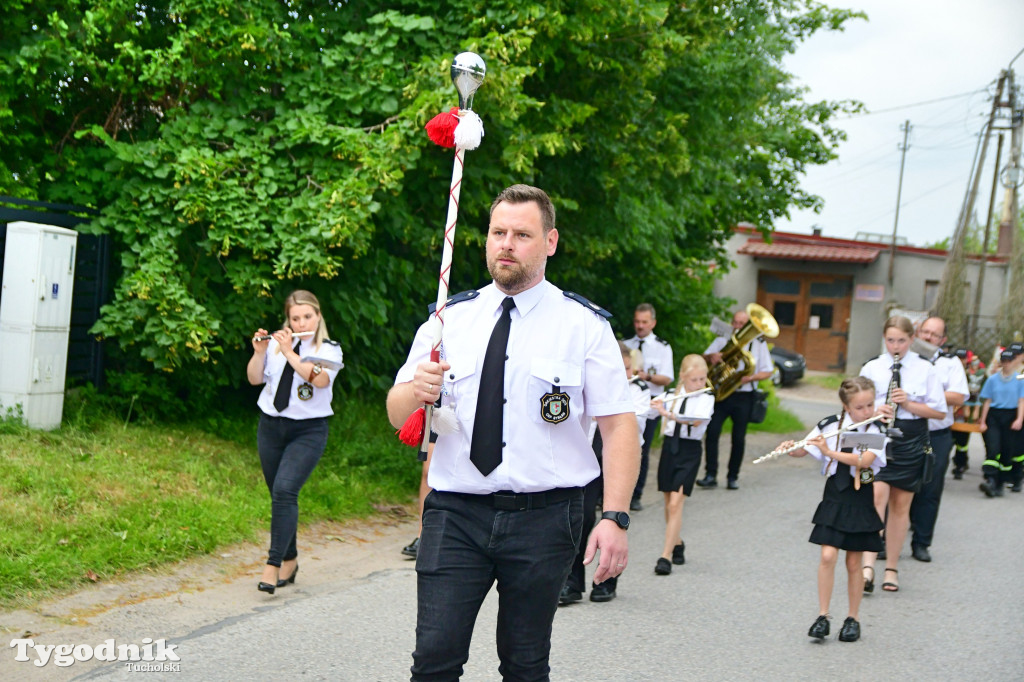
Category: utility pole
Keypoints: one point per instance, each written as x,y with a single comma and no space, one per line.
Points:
972,326
899,191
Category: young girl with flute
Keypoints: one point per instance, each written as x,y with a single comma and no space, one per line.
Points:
846,517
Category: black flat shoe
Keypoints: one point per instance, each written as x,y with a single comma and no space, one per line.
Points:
412,548
663,567
890,586
820,628
708,482
732,484
869,585
602,592
921,553
850,631
290,580
678,556
266,587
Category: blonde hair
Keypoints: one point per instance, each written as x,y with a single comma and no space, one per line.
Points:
898,322
303,297
692,361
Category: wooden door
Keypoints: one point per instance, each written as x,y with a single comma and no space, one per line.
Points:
813,312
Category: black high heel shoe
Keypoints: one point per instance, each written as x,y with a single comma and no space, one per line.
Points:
266,587
290,579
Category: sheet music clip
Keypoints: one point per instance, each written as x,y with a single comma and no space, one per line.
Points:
859,442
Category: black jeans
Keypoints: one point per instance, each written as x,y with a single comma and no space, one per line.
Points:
737,407
289,451
467,545
924,509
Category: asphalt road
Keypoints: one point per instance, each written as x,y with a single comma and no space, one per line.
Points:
739,609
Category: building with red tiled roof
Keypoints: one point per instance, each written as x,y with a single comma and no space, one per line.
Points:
830,296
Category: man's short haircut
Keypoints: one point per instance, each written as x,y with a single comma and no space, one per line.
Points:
522,194
646,308
936,317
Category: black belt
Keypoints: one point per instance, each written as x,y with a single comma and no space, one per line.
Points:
942,430
507,500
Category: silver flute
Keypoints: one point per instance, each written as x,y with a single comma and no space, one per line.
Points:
266,337
778,452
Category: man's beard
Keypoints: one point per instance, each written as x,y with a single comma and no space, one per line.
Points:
510,278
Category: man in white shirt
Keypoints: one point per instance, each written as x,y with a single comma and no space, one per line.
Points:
507,500
658,372
924,510
736,406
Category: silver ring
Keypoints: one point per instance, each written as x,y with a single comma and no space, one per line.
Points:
430,388
619,565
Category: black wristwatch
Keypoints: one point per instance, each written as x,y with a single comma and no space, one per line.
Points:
620,518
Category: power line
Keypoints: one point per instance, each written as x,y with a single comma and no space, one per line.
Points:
912,105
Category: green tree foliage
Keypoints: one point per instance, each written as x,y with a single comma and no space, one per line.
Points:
240,150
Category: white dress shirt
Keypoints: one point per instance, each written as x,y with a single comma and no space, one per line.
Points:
319,402
829,465
657,360
696,404
917,377
952,377
555,345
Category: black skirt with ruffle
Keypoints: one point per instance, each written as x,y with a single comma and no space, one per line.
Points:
847,518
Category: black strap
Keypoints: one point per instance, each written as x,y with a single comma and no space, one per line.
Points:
284,387
485,448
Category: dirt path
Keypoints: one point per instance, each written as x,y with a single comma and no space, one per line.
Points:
192,594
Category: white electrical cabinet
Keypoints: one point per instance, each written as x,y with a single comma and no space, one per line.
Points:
35,319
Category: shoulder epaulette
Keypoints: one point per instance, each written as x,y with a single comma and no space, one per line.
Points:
870,359
640,382
947,354
662,341
452,300
332,342
831,419
587,304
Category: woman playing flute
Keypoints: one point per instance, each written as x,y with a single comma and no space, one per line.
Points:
295,404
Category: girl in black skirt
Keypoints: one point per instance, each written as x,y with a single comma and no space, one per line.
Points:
685,422
846,517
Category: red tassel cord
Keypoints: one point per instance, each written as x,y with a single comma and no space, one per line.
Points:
411,432
441,128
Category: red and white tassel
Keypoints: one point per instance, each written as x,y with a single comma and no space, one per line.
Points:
470,130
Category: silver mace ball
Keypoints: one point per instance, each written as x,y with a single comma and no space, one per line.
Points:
468,71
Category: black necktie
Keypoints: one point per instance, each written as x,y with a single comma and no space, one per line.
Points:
485,450
679,426
843,476
284,387
640,346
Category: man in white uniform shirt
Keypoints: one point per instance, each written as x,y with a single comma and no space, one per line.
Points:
507,500
736,407
658,372
924,509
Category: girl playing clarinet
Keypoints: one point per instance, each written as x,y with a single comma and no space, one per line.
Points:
846,517
910,385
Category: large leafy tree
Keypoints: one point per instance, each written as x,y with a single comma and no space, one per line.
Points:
240,150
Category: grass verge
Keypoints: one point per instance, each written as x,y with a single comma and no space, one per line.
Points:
98,498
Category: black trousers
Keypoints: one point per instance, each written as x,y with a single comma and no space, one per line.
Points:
650,431
289,451
960,441
465,547
924,510
735,407
1003,446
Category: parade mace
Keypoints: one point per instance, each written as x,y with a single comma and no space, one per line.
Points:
462,129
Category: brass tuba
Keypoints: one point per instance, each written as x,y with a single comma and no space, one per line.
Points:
726,375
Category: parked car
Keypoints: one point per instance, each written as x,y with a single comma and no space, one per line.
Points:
789,366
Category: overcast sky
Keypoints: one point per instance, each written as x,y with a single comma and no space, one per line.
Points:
908,52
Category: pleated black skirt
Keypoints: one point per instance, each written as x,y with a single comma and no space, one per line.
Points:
680,461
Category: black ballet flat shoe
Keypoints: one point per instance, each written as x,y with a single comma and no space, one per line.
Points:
869,585
850,631
290,580
266,587
663,567
678,556
820,628
882,555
